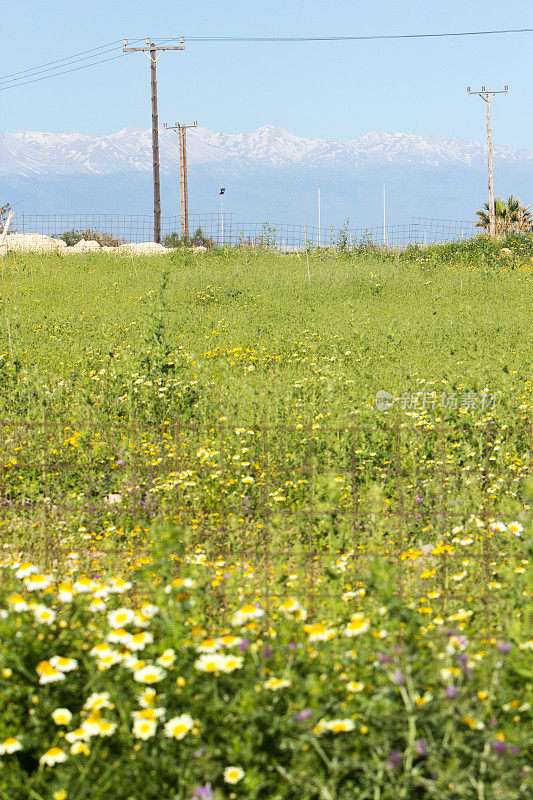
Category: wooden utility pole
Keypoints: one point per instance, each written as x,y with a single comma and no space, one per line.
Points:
488,96
184,192
152,49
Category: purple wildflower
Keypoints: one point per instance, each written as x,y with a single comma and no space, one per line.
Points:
244,644
305,714
462,658
397,677
450,691
499,747
203,792
504,647
421,747
395,759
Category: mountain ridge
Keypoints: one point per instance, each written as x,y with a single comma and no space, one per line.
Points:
129,150
270,174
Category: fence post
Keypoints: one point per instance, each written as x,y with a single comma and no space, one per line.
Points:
3,236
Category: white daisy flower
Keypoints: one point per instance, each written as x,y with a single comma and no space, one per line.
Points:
144,728
167,658
97,701
10,746
120,617
178,727
233,774
62,716
149,674
245,614
358,624
43,614
53,756
26,569
63,664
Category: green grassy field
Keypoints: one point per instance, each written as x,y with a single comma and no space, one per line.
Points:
199,433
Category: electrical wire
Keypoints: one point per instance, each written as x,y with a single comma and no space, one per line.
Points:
64,72
351,38
66,58
36,71
14,82
28,76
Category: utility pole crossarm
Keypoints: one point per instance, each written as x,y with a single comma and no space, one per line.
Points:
151,46
147,49
177,126
483,92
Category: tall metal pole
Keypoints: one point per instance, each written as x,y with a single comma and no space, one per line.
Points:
221,193
488,96
155,146
152,49
319,216
384,217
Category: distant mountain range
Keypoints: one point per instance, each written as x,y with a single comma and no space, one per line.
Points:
270,174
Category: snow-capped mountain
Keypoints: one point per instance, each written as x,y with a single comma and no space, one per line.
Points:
130,150
271,174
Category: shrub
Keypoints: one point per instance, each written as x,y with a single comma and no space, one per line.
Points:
198,239
74,236
4,211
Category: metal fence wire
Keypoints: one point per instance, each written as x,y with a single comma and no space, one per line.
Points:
318,492
229,231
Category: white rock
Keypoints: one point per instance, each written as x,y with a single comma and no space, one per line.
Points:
144,248
199,249
33,242
85,246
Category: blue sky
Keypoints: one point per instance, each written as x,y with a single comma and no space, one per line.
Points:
329,90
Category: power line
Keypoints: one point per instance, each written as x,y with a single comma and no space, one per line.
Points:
31,72
64,72
113,45
35,72
351,38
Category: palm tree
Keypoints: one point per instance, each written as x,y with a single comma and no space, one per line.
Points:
510,215
519,216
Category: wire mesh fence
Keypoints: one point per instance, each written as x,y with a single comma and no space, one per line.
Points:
312,497
227,230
